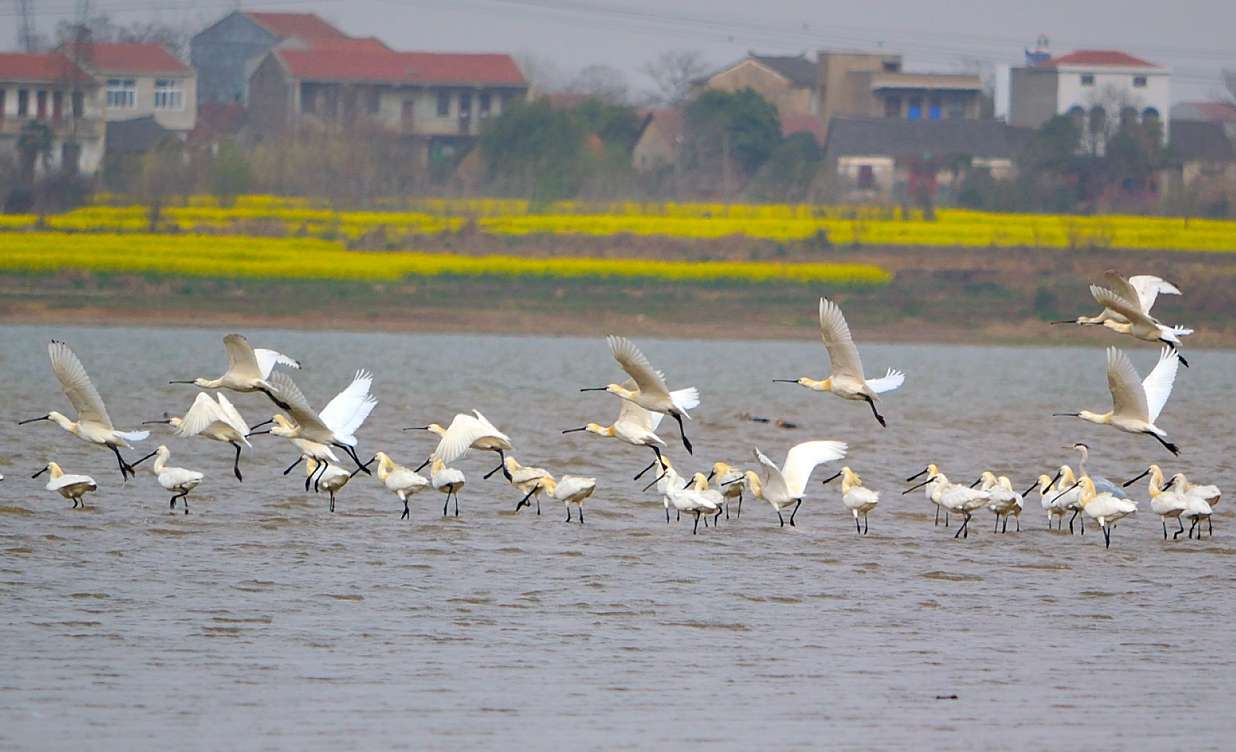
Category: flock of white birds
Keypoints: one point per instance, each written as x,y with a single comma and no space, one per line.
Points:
644,400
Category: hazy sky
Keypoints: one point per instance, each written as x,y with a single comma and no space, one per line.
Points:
1196,38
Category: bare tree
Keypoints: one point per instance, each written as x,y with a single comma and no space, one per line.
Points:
672,72
542,73
101,28
601,81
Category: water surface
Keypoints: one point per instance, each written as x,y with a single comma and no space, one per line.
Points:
263,619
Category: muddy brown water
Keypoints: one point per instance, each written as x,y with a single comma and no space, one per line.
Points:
263,621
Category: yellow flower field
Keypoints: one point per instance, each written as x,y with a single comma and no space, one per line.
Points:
405,222
311,258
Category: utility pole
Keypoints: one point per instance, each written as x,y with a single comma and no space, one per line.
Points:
25,25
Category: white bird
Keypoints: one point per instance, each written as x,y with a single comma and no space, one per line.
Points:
570,489
1055,503
178,480
690,501
446,480
699,482
856,497
1005,502
1142,289
953,497
465,433
1167,499
727,480
333,478
93,424
635,426
1103,507
1137,323
1207,494
847,380
786,485
335,426
650,393
73,487
248,370
1196,510
526,480
218,421
1136,403
934,483
400,480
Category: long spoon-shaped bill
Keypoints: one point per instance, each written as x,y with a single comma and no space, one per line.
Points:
40,472
266,422
655,481
33,420
785,381
364,467
1131,481
595,389
415,428
917,486
830,480
1065,491
575,430
919,474
181,381
135,463
1170,482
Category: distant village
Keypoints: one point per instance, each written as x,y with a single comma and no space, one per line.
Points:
880,132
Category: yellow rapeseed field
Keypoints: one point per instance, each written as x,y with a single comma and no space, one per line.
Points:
404,222
230,256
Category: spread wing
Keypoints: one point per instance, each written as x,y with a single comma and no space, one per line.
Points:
888,382
298,406
241,361
1149,288
842,353
774,482
231,415
1121,305
1128,395
268,359
803,458
76,384
201,414
1158,383
1122,288
492,430
637,366
526,474
344,414
630,412
460,434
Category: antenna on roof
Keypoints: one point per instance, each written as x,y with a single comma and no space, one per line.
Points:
25,27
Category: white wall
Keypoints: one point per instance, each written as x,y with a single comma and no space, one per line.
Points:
1156,93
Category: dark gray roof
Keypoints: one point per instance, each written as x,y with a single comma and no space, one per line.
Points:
798,68
893,137
1198,141
136,135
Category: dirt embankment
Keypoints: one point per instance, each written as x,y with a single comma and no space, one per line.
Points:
983,295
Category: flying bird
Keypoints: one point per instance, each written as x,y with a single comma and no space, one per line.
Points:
1136,403
248,369
215,420
650,391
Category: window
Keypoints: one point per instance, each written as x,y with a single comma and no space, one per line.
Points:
1139,82
57,105
892,107
933,110
892,66
23,102
482,103
169,94
79,104
956,109
1087,79
465,106
866,177
121,94
407,113
3,102
41,105
1150,113
915,110
444,104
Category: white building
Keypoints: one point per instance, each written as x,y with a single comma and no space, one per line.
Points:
1100,88
49,93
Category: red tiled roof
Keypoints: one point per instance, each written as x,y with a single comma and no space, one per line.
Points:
353,44
1112,58
341,63
1215,112
131,57
800,123
302,25
44,66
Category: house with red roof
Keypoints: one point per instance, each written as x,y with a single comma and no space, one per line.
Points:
226,52
50,93
441,98
141,80
1100,88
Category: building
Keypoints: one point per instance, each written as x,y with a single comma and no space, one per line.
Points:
660,140
892,157
51,93
1099,88
225,53
1202,156
852,84
440,98
141,80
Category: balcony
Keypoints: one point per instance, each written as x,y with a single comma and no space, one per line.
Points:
86,128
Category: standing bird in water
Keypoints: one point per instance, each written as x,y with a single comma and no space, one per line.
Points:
72,487
846,380
93,424
650,393
447,480
248,369
333,478
857,498
178,480
1136,404
728,480
786,485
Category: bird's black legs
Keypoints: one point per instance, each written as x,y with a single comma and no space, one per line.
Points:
292,467
538,510
997,524
125,468
581,515
332,501
667,515
695,530
1167,444
864,524
780,518
524,501
1107,536
456,495
857,526
683,432
568,506
407,512
502,466
446,504
236,463
1075,511
1176,534
946,518
937,515
797,504
717,516
965,528
875,412
1164,521
352,453
318,477
183,496
739,515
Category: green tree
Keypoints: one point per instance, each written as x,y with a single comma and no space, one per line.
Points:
229,174
790,170
535,150
739,126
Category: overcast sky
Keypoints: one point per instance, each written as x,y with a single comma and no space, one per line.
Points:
1196,38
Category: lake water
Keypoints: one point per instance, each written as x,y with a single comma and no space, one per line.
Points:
263,621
